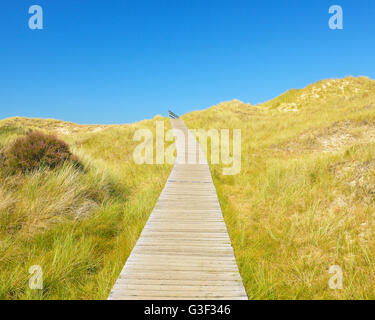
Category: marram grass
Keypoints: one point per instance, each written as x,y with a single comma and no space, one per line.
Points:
304,200
79,226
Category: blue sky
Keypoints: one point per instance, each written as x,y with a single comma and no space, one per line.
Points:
121,61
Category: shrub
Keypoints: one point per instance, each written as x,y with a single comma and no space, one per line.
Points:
37,150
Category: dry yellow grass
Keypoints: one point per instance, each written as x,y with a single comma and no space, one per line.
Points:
304,199
78,226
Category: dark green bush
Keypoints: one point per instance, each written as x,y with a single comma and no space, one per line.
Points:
37,150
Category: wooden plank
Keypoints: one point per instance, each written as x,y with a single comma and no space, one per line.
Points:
180,288
193,282
180,275
184,251
185,294
162,256
191,242
161,297
187,267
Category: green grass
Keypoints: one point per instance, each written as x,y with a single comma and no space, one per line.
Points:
79,226
304,199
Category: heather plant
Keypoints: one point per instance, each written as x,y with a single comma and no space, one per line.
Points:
36,150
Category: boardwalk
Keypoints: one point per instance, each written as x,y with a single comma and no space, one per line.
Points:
184,251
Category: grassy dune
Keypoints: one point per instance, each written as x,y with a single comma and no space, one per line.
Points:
79,226
304,199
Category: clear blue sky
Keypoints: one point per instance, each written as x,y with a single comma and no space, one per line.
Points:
121,61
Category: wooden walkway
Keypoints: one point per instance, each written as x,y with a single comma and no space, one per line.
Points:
184,251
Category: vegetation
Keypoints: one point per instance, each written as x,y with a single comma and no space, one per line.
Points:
78,225
304,200
36,150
